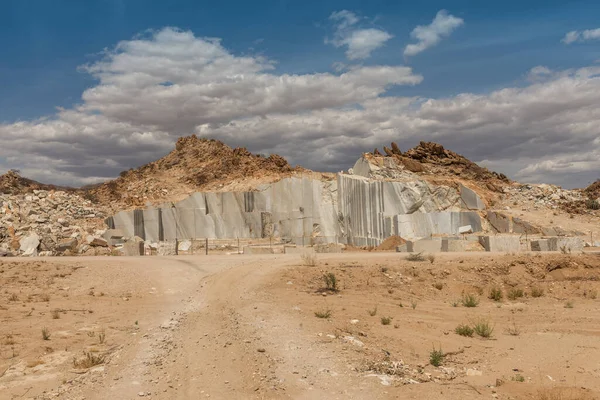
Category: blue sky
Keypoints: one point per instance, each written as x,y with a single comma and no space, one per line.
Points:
495,46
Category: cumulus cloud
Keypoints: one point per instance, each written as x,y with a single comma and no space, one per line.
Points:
360,43
429,35
153,89
581,36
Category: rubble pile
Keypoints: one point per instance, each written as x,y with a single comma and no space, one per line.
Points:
542,196
432,158
49,223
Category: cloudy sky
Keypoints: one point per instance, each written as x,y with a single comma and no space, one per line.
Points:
88,89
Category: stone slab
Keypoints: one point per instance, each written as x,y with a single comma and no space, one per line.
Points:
506,244
258,250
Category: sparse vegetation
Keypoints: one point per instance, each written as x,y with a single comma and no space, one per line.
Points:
592,204
569,304
470,300
373,312
13,297
593,294
431,258
496,294
309,259
45,333
513,330
101,336
323,314
464,330
55,313
89,360
386,320
436,357
537,292
415,257
518,378
413,304
514,294
483,328
45,297
331,282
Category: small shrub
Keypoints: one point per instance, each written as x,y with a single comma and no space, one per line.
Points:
309,259
415,257
431,258
55,313
513,330
593,294
101,336
45,334
592,204
89,360
514,294
464,330
470,300
372,312
413,304
436,357
454,304
13,297
518,378
569,304
483,328
331,282
45,297
537,292
384,270
323,314
495,294
438,285
386,320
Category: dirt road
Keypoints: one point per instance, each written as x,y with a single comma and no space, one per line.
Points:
266,327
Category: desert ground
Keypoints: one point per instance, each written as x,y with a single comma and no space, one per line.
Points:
360,325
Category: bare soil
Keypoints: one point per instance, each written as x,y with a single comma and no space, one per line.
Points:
267,327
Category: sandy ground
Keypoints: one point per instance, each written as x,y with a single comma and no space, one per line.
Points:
245,327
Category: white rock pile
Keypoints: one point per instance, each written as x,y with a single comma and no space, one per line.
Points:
49,223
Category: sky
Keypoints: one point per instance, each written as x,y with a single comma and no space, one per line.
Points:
95,87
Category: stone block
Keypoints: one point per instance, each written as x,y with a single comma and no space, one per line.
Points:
69,244
329,248
509,244
540,245
465,229
114,236
524,227
298,250
570,244
500,222
470,200
427,246
258,250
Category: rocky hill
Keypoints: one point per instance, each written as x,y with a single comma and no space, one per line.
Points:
195,164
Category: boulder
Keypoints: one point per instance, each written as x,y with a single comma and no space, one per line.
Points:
96,241
29,245
69,244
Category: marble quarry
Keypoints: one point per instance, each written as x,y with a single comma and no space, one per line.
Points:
351,209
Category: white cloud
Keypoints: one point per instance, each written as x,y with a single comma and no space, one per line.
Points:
360,43
152,90
429,35
581,36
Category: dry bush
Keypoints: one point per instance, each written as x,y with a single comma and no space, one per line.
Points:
331,282
537,292
309,259
55,313
415,257
45,333
89,360
323,314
